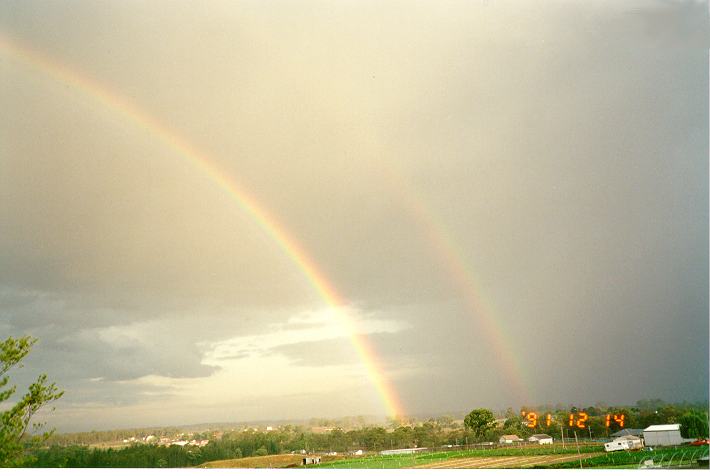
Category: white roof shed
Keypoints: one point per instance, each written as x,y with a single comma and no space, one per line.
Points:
663,435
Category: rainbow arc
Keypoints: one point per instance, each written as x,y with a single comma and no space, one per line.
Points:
245,201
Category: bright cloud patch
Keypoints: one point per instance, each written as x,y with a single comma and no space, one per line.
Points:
305,328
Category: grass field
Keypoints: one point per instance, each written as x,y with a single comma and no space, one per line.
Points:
592,456
663,457
553,456
499,457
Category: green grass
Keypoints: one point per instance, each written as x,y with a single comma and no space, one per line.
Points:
619,459
408,461
632,459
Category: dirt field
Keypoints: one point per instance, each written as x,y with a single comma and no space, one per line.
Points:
272,461
504,461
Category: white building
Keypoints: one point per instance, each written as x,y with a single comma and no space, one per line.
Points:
403,451
541,439
662,435
508,439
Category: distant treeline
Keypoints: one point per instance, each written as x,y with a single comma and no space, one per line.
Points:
431,433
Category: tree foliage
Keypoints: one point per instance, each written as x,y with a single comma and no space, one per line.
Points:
479,421
15,421
694,424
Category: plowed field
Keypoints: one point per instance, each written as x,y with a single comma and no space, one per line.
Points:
505,461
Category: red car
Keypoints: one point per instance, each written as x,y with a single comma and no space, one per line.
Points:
699,443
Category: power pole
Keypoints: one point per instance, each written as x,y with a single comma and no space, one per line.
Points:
578,453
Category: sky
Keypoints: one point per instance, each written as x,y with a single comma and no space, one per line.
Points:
494,203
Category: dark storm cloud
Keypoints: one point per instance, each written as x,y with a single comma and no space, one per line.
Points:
114,344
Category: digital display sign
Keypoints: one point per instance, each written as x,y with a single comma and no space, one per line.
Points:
574,420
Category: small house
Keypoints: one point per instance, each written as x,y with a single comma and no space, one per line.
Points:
541,439
509,439
311,460
403,451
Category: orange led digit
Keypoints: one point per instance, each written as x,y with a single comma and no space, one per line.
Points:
620,419
608,420
548,420
571,419
532,419
582,417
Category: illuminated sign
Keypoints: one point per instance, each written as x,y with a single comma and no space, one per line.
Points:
574,420
579,419
531,420
618,419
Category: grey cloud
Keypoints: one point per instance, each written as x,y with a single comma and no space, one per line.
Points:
559,151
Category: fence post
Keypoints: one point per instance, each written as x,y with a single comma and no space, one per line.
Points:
578,453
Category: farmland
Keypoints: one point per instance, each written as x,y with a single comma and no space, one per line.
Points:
525,456
270,461
684,456
554,456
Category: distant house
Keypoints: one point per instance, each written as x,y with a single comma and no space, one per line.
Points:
311,460
319,430
508,439
541,439
628,432
663,435
403,451
357,453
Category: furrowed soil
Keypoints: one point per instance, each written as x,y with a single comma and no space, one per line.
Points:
491,462
271,461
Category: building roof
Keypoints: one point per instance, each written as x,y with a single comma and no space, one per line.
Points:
671,427
629,437
628,431
541,436
510,437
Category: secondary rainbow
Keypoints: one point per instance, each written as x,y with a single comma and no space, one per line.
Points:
449,253
247,202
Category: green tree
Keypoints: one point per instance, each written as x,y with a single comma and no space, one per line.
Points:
15,421
694,424
479,421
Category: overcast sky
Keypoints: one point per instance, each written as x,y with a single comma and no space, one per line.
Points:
547,163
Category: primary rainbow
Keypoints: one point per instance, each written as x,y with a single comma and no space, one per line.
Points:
266,221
